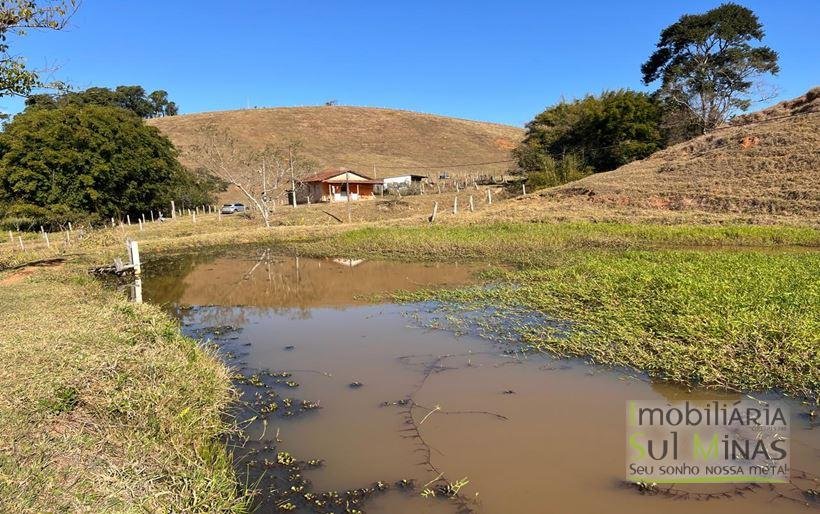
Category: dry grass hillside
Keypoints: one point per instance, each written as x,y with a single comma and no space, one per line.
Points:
765,170
360,137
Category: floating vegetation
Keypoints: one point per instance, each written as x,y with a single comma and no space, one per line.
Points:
309,405
215,332
284,459
355,384
738,320
262,401
286,489
801,489
400,403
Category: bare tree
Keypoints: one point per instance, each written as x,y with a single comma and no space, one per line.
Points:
261,175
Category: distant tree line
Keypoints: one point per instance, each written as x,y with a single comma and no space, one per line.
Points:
131,98
706,67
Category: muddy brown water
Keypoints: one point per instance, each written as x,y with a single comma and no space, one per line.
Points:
530,434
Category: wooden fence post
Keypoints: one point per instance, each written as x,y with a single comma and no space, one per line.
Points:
152,215
128,219
173,210
432,217
489,196
472,205
523,188
455,205
20,240
48,243
193,216
11,238
113,225
70,228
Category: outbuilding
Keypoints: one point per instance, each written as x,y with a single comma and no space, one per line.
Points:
403,180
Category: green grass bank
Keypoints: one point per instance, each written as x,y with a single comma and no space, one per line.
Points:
105,407
525,242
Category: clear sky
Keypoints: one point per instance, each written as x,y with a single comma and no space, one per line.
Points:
495,61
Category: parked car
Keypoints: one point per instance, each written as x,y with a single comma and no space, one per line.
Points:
231,208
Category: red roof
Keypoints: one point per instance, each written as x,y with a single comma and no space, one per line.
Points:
332,172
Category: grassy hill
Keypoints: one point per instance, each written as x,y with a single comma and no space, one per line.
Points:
765,167
361,137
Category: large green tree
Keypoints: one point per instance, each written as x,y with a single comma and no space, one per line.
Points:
598,132
707,65
95,159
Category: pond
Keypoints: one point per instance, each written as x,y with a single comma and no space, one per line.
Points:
347,393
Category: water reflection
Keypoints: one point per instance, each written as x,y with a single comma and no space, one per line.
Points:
271,281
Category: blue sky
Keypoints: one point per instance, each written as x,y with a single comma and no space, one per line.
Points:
494,61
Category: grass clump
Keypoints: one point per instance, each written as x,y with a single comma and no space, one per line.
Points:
105,407
739,320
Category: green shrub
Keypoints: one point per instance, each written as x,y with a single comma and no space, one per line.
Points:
27,217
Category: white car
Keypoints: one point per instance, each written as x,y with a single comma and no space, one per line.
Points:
231,208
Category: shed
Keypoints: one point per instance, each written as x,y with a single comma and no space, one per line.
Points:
332,184
403,180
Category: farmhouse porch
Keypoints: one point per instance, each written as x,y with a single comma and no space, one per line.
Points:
338,185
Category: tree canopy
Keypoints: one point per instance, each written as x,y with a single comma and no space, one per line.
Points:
92,159
707,64
598,132
132,98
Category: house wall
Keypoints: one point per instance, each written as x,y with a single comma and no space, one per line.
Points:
316,192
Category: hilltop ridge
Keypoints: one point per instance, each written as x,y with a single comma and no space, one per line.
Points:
360,138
